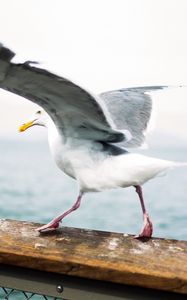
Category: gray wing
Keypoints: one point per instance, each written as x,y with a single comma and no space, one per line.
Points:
74,111
131,109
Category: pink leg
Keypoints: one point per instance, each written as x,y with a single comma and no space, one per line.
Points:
54,224
147,228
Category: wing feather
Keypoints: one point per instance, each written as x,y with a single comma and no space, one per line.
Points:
131,109
74,111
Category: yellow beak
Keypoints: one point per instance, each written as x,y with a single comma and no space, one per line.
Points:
25,126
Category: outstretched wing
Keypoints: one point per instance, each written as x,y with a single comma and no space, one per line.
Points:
131,109
74,111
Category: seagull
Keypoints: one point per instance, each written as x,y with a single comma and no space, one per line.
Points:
89,135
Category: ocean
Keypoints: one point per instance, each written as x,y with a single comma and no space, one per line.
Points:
32,188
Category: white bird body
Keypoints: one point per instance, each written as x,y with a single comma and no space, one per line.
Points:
96,170
121,171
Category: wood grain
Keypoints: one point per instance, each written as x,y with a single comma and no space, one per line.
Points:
155,263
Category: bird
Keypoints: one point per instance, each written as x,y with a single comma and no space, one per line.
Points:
89,135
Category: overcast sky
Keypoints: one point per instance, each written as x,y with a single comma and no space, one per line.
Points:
101,44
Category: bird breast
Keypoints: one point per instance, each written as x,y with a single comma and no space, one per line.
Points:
62,156
72,155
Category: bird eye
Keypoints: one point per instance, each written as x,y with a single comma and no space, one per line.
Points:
39,112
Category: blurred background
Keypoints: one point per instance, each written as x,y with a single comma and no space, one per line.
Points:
101,45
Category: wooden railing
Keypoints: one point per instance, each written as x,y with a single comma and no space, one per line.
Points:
83,262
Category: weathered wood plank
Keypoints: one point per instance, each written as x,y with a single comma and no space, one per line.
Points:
156,263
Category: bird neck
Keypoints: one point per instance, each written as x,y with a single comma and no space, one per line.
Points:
53,134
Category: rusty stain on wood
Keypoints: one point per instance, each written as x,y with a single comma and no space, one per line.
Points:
155,263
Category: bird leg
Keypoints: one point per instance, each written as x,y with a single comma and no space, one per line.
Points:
54,224
147,228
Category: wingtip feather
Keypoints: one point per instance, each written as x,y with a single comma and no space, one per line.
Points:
5,53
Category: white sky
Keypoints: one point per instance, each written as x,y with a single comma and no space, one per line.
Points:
101,44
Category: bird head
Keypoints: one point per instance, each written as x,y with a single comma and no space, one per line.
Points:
39,118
